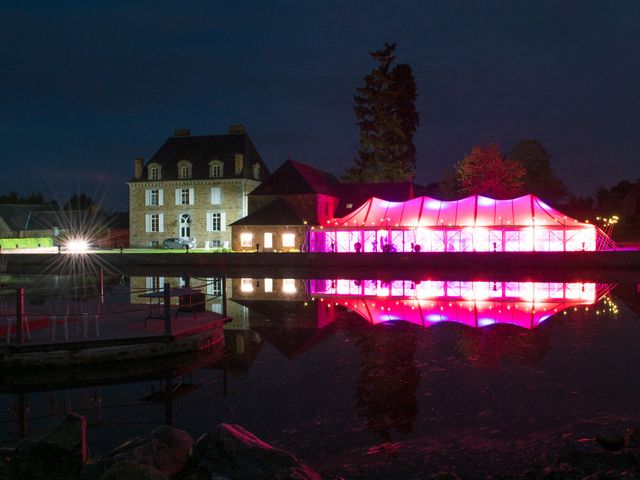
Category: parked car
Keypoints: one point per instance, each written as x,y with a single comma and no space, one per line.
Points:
181,243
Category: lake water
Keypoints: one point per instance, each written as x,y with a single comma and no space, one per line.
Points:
377,379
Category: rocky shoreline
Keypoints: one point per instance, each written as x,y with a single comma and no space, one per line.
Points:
230,452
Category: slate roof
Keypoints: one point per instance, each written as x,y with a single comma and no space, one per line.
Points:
297,178
17,217
278,212
80,220
200,150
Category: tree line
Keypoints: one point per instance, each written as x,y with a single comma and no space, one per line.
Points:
388,119
75,202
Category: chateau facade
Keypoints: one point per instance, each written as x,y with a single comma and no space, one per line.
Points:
194,187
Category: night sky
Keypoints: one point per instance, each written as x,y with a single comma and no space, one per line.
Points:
88,86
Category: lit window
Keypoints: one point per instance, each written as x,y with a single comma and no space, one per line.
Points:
246,285
268,240
289,285
288,239
268,285
246,239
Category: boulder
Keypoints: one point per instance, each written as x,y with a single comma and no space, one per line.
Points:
56,454
611,441
166,450
231,452
132,470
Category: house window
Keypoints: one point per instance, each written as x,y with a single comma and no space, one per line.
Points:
246,284
184,196
288,240
216,195
268,285
154,173
246,239
216,221
289,285
268,240
214,286
184,169
154,222
215,169
153,197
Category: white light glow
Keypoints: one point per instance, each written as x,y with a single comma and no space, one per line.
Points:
76,245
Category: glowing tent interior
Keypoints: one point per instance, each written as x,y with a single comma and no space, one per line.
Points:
474,223
475,304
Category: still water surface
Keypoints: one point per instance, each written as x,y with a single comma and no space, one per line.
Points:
372,379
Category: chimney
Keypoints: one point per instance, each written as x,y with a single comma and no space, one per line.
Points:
239,128
138,162
239,163
182,132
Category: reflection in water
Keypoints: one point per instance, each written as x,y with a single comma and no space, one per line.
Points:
476,304
346,364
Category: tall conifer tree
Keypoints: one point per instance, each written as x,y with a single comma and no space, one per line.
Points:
388,119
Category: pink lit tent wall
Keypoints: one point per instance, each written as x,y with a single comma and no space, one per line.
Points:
475,304
472,224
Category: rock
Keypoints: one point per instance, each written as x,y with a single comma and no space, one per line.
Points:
57,454
166,450
128,469
444,476
611,441
231,452
632,437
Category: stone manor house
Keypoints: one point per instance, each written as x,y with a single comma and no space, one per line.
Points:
194,187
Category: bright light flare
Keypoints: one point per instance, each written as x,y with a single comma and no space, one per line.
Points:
77,246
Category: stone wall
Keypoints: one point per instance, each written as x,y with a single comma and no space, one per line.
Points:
233,204
258,234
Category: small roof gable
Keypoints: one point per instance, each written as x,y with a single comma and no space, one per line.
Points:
294,178
200,150
277,212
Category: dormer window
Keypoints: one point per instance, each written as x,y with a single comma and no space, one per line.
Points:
256,171
154,171
216,169
184,169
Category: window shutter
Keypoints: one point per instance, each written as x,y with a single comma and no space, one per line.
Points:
147,223
191,196
177,196
147,197
161,222
209,222
223,221
160,199
215,196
